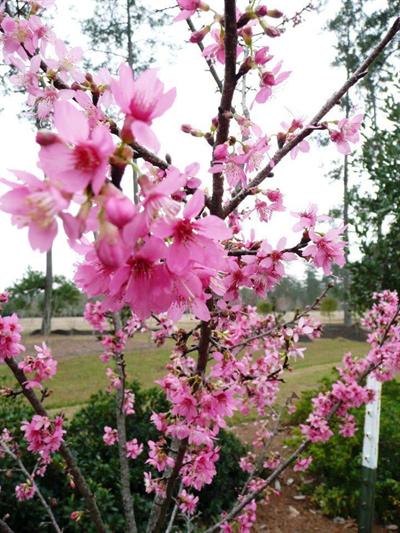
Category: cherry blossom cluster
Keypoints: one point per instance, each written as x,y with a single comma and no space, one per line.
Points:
42,366
350,391
43,435
10,337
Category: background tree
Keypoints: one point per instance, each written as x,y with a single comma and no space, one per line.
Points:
28,295
371,206
124,30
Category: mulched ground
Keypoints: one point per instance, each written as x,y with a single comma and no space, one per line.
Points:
290,511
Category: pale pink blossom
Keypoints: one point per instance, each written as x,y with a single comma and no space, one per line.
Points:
133,449
110,436
78,157
142,100
347,132
35,204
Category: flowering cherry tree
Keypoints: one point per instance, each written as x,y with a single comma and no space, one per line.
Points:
177,247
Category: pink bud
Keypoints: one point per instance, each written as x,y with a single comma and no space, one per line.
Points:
186,128
198,36
274,13
110,247
220,152
120,210
261,11
46,138
271,31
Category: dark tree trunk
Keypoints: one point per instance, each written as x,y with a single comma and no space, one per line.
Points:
48,293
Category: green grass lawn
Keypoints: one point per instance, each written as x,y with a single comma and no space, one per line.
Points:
78,377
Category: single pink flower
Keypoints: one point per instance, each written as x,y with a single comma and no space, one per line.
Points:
193,240
35,204
268,80
78,157
142,100
326,249
347,132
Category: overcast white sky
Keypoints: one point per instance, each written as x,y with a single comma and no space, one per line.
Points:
307,50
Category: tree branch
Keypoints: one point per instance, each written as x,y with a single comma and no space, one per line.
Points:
224,111
4,527
42,499
127,499
64,451
361,71
210,64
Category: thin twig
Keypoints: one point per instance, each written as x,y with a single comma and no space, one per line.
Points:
28,476
210,64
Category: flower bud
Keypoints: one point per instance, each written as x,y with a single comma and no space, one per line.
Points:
198,36
261,11
110,247
271,31
274,13
46,138
220,152
186,128
119,210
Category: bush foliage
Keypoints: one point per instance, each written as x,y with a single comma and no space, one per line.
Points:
100,463
336,466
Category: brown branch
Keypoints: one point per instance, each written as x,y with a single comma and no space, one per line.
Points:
359,73
64,451
210,64
161,504
4,527
126,494
42,499
224,111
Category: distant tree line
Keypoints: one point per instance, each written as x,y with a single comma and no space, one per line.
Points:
27,296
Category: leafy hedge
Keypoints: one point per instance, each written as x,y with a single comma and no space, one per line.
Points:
336,466
100,465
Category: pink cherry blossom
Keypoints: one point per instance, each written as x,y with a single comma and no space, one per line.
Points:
10,337
347,132
133,449
25,491
302,464
17,37
44,436
326,249
193,240
188,8
308,218
142,100
217,50
35,204
187,502
42,366
66,64
78,157
268,80
110,436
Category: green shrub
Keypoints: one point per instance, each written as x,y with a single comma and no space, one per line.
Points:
100,465
336,466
